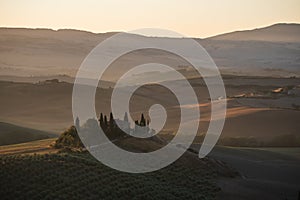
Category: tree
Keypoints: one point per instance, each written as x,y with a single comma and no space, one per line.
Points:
111,121
77,123
126,117
69,138
105,121
143,121
101,120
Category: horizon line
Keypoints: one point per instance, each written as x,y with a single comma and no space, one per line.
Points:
122,31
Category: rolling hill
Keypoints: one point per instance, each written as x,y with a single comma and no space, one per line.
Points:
48,106
40,174
13,134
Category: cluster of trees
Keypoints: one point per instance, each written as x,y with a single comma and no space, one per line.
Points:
110,127
142,122
112,130
71,139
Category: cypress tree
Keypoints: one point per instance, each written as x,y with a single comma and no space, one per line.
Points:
143,121
101,120
105,121
111,121
126,117
77,123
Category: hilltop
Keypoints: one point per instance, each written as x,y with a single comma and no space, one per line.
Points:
281,32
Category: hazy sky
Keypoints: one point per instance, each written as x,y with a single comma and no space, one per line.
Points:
190,17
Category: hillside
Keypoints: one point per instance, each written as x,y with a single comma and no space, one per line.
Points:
50,174
13,134
270,51
274,33
64,175
79,176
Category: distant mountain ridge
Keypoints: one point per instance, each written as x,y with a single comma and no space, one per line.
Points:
269,51
281,32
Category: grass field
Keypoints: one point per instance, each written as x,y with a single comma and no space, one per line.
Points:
290,152
267,173
79,176
39,147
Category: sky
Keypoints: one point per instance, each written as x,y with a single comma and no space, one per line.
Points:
192,18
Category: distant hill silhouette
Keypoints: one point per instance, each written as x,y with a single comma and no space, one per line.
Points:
46,52
274,33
